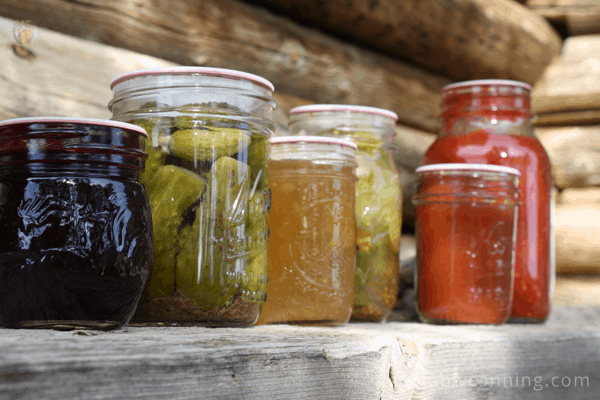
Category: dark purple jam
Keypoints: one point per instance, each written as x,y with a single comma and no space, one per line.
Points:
75,236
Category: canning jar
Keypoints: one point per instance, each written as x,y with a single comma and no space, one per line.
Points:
489,122
466,232
311,251
207,177
75,224
378,198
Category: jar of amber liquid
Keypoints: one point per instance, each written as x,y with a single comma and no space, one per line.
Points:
311,251
489,122
378,198
206,176
466,231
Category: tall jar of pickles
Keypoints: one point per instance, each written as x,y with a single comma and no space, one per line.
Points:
378,198
207,180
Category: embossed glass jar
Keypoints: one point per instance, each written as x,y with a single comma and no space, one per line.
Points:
207,178
466,233
75,224
311,251
378,197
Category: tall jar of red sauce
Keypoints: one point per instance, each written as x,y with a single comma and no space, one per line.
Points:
489,122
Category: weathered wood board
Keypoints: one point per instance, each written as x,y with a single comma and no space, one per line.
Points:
462,39
558,360
231,34
574,152
581,17
571,82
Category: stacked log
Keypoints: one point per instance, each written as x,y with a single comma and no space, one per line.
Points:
567,102
575,17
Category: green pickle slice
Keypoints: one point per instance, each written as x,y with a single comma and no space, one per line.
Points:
171,191
207,144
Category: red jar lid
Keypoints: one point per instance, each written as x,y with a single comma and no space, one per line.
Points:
468,167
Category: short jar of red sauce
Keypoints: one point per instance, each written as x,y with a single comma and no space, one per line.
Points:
466,232
489,122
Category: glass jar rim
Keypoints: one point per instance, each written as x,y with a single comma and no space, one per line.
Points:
343,107
468,167
313,140
207,71
74,120
487,82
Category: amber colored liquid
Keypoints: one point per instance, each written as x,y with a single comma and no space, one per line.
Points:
311,251
531,298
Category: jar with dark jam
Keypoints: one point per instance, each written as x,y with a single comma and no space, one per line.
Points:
75,225
207,179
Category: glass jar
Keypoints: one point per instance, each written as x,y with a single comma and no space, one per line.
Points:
207,177
311,252
489,122
75,224
466,232
378,198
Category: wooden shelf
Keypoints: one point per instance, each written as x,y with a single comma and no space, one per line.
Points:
357,361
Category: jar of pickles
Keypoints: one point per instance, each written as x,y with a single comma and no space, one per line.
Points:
378,197
207,177
75,225
311,253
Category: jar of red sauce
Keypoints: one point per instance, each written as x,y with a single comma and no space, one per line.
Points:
489,122
466,220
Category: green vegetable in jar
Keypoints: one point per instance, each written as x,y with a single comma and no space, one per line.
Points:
228,191
207,144
171,191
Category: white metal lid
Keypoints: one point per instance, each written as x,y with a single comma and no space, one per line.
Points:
468,167
343,107
487,82
75,120
228,73
314,140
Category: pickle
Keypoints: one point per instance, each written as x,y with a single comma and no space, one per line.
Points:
207,144
172,190
258,158
228,191
202,276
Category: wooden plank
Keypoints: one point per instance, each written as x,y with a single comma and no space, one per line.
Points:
462,39
582,17
357,361
571,82
230,34
574,152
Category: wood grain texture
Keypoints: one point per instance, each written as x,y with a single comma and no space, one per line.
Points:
461,39
574,153
577,290
230,34
356,361
571,82
577,230
581,17
568,118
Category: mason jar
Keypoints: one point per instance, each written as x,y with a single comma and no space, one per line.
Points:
207,178
466,233
378,197
311,252
75,224
490,122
